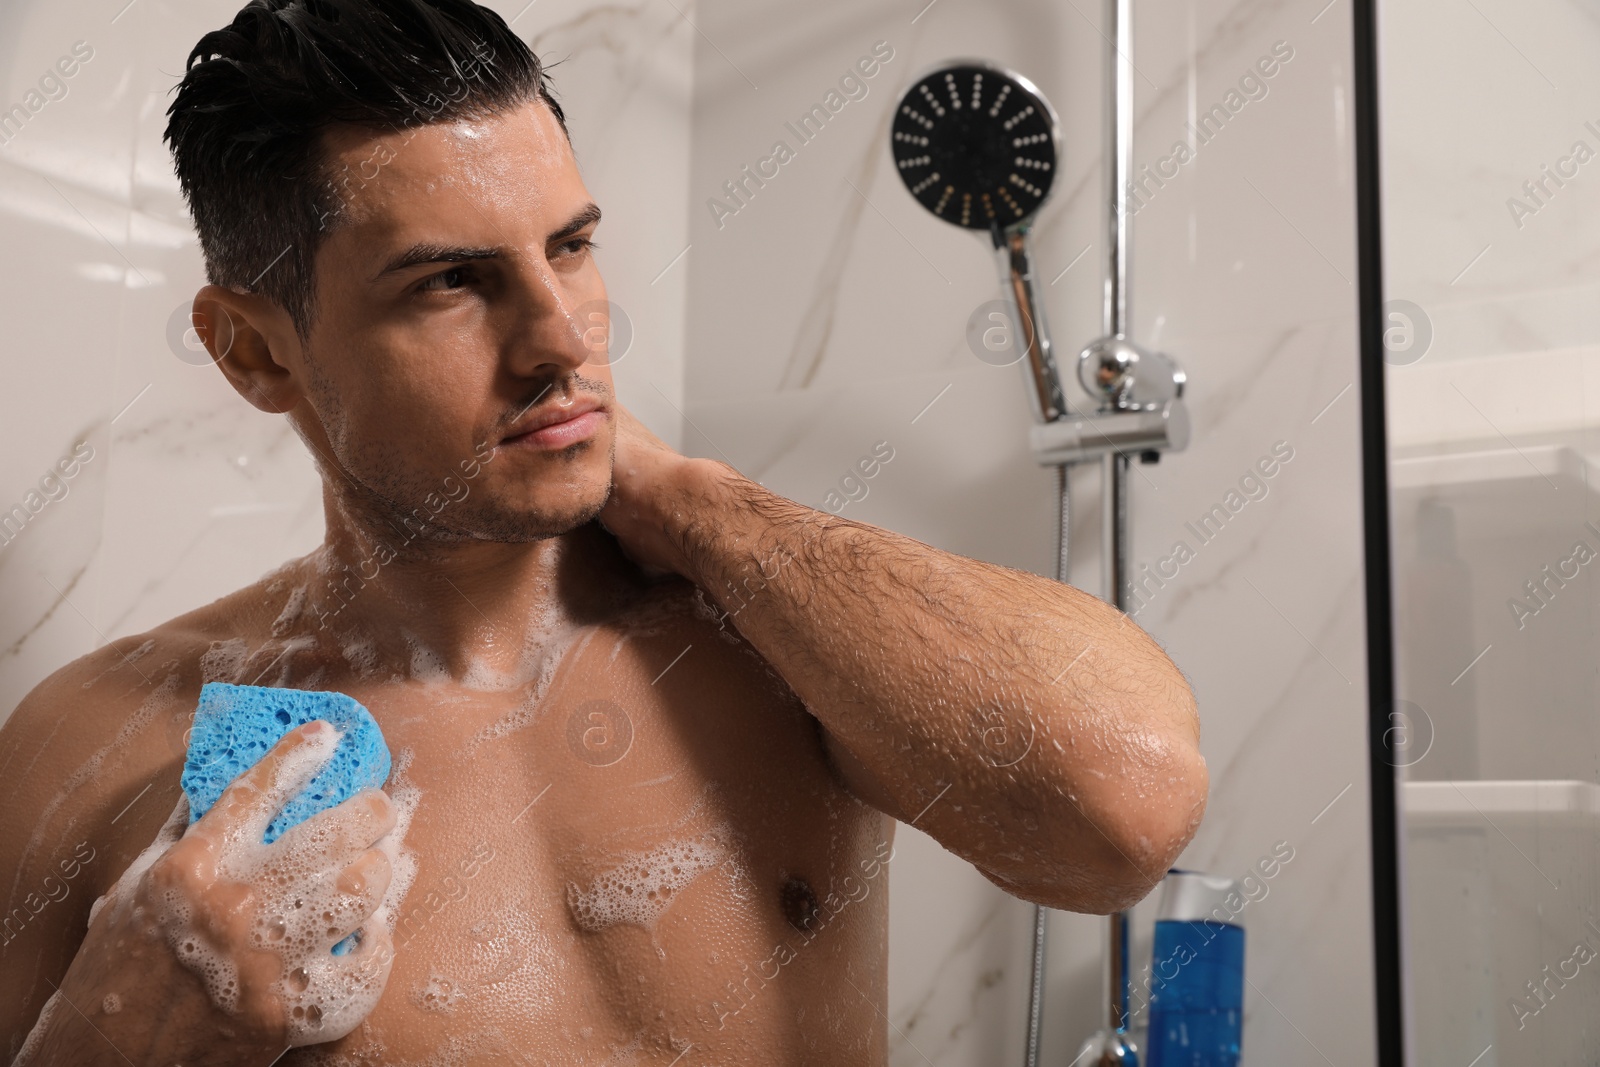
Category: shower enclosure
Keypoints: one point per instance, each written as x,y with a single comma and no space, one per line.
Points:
1434,882
1492,344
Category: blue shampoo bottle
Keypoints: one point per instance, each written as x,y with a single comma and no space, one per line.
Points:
1197,997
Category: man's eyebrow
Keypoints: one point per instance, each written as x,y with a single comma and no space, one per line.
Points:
586,216
430,253
419,254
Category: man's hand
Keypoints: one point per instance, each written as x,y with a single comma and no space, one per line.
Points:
648,484
214,948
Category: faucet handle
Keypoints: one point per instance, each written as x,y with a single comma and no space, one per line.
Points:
1127,377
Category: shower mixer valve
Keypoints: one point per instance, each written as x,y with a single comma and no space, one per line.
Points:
1141,408
1128,377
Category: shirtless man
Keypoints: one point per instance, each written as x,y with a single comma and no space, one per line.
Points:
652,724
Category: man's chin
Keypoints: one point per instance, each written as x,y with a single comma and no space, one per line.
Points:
521,525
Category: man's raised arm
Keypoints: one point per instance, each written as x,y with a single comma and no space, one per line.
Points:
1029,727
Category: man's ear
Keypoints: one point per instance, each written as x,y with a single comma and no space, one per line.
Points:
253,342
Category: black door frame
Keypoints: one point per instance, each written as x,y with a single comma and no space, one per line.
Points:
1388,984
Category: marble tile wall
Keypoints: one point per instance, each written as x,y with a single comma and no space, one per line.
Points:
829,313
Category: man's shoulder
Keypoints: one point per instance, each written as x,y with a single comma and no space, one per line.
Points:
91,737
89,771
674,619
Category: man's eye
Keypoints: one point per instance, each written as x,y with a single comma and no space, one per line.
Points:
453,278
576,246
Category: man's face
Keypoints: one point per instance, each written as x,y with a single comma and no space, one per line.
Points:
459,307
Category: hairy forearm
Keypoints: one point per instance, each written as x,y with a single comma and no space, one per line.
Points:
1028,726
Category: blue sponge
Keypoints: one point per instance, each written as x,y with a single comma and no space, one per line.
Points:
235,725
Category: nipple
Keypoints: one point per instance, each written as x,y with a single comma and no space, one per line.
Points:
798,901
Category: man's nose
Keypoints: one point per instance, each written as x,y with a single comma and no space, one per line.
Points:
552,327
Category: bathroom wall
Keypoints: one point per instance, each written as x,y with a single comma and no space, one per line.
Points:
190,493
829,312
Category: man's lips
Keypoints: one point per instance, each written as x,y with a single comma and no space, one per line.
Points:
555,426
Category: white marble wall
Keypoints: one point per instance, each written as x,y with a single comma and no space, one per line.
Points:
828,312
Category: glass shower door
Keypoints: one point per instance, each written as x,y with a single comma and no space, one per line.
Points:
1491,170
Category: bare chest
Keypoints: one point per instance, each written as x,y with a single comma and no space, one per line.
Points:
595,876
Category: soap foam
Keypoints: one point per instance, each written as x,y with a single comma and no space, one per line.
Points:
224,660
281,658
402,861
35,1038
625,1054
643,887
485,678
292,610
439,994
361,653
527,712
426,664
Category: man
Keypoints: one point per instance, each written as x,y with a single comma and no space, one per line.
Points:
651,723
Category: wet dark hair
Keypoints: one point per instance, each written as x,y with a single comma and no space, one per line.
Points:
246,127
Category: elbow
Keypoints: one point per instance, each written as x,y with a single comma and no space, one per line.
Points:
1123,835
1160,798
1102,824
1156,818
1161,821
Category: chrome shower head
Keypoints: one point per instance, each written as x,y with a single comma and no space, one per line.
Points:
976,145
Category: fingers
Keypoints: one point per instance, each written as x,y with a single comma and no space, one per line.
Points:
253,799
368,879
360,888
177,823
331,838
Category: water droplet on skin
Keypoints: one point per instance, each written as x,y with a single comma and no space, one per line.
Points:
299,979
276,928
314,1017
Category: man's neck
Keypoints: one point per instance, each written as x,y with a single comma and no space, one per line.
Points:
476,607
